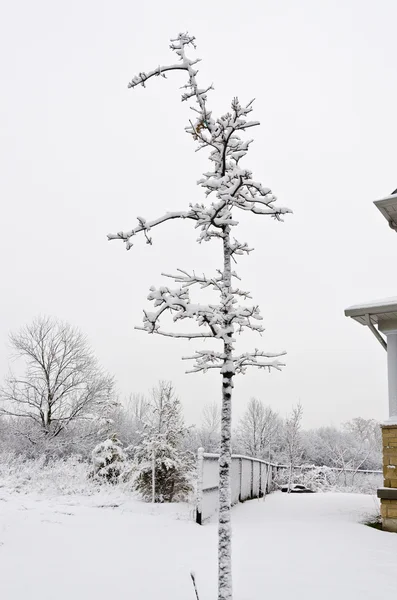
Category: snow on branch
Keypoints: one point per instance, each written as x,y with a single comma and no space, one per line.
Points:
215,283
257,359
147,226
208,359
217,319
233,186
177,303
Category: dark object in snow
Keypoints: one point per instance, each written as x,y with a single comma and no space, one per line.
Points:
297,489
192,575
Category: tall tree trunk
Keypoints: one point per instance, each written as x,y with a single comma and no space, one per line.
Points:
225,532
225,459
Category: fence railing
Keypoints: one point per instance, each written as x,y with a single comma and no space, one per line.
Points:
250,478
253,478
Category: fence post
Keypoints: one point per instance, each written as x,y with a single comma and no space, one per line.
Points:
252,479
200,472
153,477
241,477
273,477
268,475
260,480
264,481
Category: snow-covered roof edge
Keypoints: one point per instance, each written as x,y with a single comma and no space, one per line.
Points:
382,304
390,422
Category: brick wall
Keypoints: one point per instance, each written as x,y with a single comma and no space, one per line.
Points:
389,506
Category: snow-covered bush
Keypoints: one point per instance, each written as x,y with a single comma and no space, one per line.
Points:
362,483
53,477
173,471
110,461
22,437
324,479
356,445
316,478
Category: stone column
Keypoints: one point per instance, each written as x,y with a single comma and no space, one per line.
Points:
388,494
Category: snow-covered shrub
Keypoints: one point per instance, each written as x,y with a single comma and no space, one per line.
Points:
330,479
110,461
173,471
363,483
316,478
53,477
19,436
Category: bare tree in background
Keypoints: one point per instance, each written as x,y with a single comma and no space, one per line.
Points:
250,428
234,190
129,418
209,431
62,382
293,442
366,447
138,406
271,433
258,429
356,446
369,433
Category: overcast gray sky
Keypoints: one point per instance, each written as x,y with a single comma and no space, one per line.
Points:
81,156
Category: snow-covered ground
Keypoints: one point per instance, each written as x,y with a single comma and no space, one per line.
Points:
299,546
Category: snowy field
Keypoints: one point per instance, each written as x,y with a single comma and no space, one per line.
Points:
299,546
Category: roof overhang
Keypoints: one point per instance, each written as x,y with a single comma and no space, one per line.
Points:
382,313
378,311
388,208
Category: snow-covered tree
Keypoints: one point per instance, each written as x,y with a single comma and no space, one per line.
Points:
233,189
60,382
163,469
109,461
293,440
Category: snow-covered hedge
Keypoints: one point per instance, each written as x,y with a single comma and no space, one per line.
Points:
327,479
51,476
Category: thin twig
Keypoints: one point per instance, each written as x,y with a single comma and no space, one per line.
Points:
192,575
